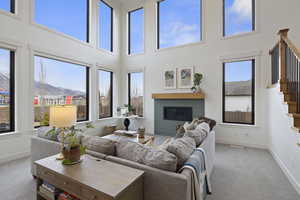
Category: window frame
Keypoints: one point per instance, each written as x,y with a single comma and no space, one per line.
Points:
243,33
129,30
129,89
111,93
111,27
158,25
253,95
87,75
12,59
13,6
58,32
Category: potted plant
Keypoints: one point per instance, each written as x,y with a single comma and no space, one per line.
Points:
197,81
72,148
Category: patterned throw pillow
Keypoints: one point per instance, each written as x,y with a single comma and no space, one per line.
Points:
43,132
199,133
182,148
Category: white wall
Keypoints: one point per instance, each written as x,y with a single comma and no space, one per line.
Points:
20,33
207,56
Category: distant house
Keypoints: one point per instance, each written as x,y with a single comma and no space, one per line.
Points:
238,96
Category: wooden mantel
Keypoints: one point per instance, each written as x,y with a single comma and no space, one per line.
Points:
178,96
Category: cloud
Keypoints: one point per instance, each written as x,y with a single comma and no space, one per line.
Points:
178,33
242,8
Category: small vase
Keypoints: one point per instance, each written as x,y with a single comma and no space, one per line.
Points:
72,154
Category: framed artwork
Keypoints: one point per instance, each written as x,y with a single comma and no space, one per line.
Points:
185,77
169,77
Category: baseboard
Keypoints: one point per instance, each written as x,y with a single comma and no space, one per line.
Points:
286,171
256,146
5,159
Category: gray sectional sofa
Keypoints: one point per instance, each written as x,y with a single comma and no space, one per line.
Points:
158,184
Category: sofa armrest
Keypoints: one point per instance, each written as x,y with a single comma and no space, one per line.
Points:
42,148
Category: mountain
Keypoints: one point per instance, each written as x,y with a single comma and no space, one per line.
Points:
42,88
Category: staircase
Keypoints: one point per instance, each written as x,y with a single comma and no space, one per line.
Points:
286,69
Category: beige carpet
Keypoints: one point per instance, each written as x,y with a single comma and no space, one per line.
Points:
240,174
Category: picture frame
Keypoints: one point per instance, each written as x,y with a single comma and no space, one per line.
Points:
170,79
185,77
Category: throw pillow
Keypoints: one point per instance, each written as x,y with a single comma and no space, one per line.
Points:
182,148
212,123
131,151
100,145
199,134
43,132
160,159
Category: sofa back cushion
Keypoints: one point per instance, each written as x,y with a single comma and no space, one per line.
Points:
199,133
100,145
182,148
142,154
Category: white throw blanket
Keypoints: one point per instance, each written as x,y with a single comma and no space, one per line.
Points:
200,177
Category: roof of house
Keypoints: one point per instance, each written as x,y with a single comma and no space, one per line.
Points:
238,88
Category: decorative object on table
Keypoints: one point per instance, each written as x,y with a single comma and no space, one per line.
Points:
126,123
141,132
185,77
62,119
197,81
170,78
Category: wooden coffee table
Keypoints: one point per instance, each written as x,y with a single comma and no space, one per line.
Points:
92,179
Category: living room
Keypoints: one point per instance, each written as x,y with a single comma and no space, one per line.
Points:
150,67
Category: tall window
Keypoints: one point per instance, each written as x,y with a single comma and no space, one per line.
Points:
238,92
8,5
179,22
7,62
59,83
136,31
105,26
136,92
68,16
238,16
105,94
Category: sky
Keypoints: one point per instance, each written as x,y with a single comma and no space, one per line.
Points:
137,84
238,71
61,74
136,31
4,62
5,5
104,82
105,26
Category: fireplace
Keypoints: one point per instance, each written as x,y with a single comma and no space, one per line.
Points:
178,113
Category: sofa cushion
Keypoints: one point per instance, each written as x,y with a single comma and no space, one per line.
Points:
98,144
182,148
142,154
199,133
160,159
131,151
43,132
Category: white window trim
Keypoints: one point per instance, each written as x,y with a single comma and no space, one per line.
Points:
15,15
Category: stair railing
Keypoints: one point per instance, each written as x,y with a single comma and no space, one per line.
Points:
286,69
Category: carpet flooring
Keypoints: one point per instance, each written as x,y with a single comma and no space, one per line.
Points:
239,174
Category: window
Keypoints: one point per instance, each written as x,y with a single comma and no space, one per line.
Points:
136,31
7,62
105,26
105,94
136,92
238,16
59,83
178,22
8,5
69,17
238,92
